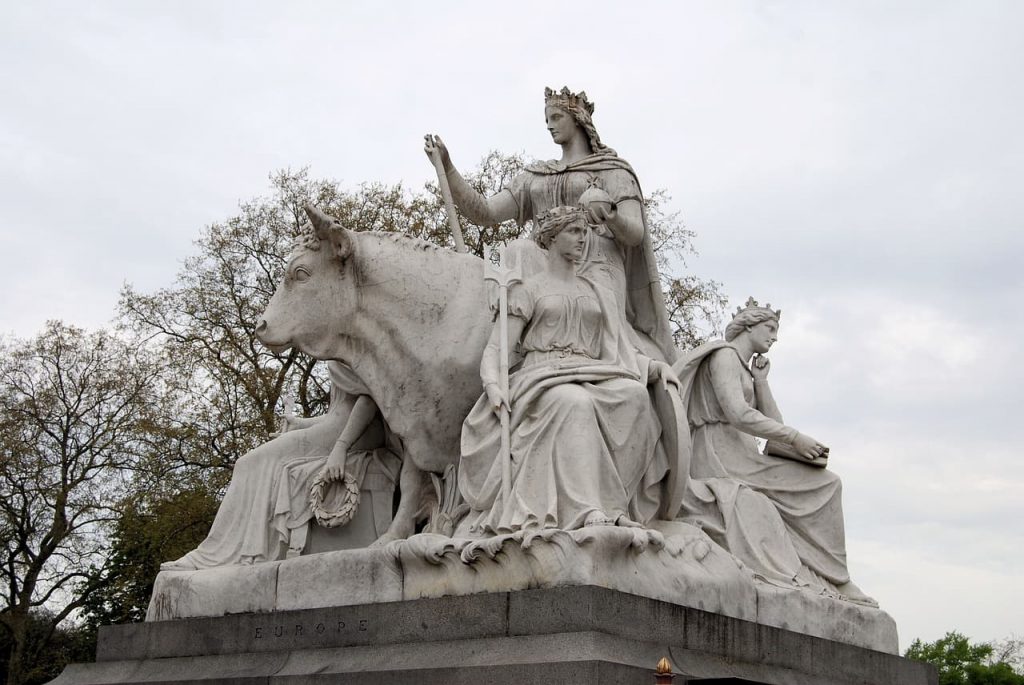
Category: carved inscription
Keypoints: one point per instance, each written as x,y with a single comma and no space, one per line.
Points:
280,630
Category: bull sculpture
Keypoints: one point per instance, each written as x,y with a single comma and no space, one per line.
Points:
409,318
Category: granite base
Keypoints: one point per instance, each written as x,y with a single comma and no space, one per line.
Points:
565,635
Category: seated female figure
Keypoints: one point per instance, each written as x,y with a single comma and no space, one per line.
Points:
265,512
584,436
783,518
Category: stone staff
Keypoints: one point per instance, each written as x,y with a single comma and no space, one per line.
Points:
504,276
446,193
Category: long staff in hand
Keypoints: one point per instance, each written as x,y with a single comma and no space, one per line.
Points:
446,191
504,276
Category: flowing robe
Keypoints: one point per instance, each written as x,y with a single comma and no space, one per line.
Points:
630,272
584,431
268,496
784,519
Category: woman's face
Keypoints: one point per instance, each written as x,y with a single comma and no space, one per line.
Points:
764,335
569,241
560,124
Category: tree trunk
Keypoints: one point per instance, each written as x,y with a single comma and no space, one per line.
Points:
19,634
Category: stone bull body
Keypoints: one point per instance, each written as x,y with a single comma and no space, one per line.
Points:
410,319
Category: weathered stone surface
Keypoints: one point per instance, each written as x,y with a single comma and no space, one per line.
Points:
564,635
805,612
357,576
676,563
214,592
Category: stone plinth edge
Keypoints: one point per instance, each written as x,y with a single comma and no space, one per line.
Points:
676,563
568,635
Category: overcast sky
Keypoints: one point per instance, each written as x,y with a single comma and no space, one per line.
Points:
857,164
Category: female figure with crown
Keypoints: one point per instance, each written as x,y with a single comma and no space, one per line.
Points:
618,249
591,442
783,518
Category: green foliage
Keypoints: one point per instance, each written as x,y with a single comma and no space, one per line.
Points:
153,527
961,663
52,648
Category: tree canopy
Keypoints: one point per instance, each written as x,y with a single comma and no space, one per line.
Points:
78,412
960,662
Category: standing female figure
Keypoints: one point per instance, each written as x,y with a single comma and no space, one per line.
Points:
618,252
783,518
586,445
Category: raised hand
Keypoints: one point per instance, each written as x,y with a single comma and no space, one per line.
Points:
436,149
760,366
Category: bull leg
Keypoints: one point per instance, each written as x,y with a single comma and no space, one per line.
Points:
404,522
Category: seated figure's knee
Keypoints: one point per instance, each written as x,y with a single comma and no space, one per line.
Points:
570,395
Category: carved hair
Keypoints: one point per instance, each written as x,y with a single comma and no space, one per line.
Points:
750,315
306,239
581,109
554,221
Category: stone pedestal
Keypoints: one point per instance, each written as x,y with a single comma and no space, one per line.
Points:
557,636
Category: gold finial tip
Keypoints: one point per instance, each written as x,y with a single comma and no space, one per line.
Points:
663,667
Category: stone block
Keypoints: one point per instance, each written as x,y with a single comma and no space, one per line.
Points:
804,612
214,592
343,578
566,635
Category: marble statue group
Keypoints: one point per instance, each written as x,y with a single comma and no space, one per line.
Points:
551,399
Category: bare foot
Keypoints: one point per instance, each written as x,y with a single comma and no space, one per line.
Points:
626,522
182,564
853,593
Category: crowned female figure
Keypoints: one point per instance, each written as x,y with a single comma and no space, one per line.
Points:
618,250
587,444
779,510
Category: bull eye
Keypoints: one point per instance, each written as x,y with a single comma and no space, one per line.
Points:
302,274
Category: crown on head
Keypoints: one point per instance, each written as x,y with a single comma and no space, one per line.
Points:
752,304
562,214
568,100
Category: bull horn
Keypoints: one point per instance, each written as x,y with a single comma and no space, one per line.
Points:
321,222
327,228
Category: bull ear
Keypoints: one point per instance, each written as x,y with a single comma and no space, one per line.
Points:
328,229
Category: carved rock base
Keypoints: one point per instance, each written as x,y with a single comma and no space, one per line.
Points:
567,635
676,563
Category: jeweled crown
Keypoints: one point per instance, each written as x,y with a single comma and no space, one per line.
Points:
562,214
752,304
568,100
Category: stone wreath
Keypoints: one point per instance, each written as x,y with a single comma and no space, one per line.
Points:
349,503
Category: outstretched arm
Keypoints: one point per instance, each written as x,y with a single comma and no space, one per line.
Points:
481,210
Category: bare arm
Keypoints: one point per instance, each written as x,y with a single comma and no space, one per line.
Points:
490,364
481,210
363,413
